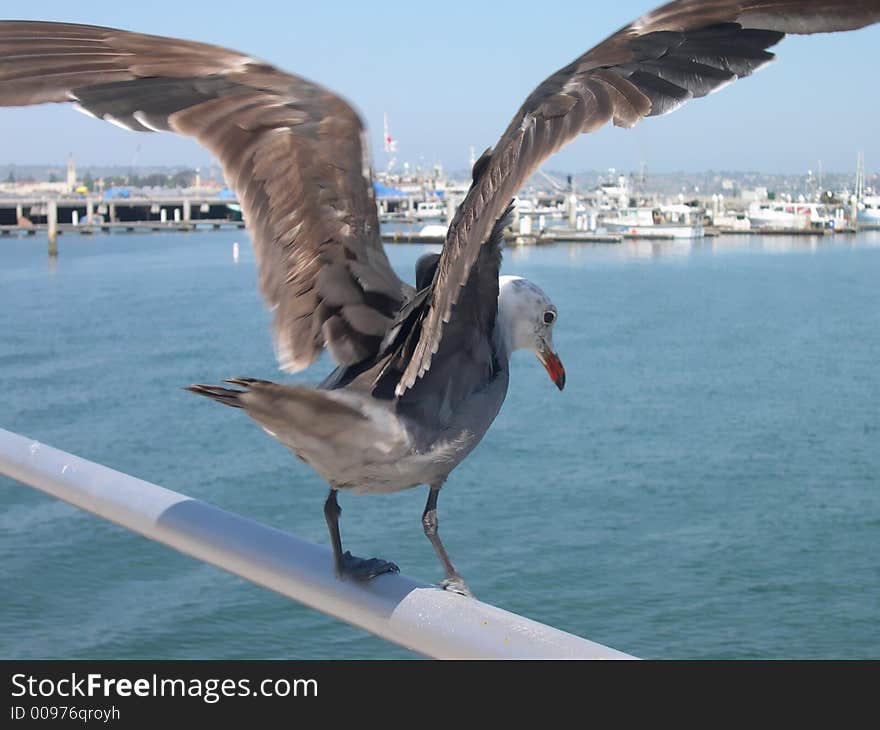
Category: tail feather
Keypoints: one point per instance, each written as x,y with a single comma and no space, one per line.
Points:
263,398
337,432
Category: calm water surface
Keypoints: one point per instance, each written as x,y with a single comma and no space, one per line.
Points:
708,484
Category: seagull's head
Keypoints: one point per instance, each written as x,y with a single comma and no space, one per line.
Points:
525,321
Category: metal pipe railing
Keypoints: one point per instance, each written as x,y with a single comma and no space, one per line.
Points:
415,615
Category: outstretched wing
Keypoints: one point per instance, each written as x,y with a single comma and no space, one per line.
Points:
680,51
293,151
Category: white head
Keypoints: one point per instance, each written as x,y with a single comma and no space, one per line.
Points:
525,321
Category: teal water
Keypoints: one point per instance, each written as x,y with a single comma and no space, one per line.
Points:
707,485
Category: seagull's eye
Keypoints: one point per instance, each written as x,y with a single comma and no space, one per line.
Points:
549,317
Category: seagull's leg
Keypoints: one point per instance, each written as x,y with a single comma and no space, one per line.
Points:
454,581
332,510
345,564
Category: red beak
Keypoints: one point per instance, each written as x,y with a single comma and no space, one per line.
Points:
554,368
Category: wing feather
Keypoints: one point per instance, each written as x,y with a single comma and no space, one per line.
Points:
292,150
680,51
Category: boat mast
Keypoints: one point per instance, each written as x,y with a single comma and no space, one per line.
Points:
390,145
860,176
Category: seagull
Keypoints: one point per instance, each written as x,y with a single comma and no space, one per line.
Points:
422,370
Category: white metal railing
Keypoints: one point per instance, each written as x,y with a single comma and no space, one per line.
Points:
415,615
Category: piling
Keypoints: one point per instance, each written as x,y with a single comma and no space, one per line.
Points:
52,226
572,202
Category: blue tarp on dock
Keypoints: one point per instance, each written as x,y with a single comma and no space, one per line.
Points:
111,193
384,191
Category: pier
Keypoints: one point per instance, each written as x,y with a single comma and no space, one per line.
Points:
771,231
91,214
555,235
86,229
78,211
563,235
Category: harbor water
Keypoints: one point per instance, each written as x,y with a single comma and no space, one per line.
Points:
707,485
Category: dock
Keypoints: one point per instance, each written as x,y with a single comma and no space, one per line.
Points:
775,231
513,239
178,212
411,237
160,212
87,229
563,235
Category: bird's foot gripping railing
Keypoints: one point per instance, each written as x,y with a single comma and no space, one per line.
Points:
415,615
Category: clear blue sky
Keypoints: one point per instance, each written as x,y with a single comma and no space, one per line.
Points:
451,74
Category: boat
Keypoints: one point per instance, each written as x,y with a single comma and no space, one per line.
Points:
675,221
525,206
779,214
430,210
869,211
434,230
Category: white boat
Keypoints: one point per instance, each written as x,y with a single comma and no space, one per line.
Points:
430,210
775,214
869,211
524,206
676,221
434,230
732,221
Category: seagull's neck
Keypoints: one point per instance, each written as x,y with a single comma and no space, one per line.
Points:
504,335
510,334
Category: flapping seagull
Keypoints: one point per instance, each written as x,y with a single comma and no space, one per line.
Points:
422,370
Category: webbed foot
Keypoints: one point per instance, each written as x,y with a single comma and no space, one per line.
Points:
364,569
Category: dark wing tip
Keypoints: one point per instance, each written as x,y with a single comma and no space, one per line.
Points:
227,396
